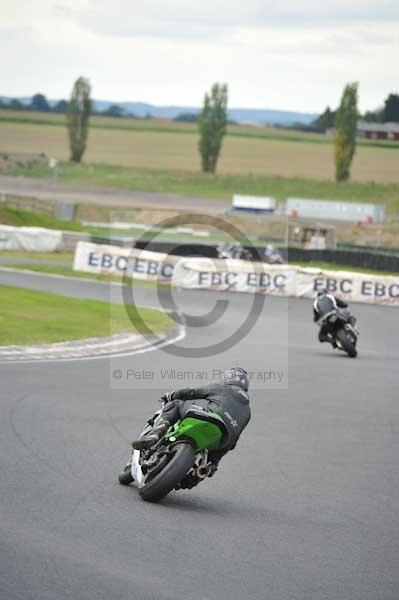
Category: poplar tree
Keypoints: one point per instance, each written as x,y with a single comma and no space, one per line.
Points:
345,132
212,126
79,110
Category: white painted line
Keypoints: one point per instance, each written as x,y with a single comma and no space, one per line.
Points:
150,348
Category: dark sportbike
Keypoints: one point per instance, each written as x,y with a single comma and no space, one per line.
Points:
180,459
341,330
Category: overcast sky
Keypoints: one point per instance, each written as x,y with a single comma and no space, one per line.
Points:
282,54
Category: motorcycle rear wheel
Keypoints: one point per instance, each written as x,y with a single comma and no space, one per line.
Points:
167,479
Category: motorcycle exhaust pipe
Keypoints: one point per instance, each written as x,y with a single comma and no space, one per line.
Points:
202,472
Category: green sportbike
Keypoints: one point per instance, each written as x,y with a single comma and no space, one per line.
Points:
179,456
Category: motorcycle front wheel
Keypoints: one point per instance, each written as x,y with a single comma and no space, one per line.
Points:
348,342
181,461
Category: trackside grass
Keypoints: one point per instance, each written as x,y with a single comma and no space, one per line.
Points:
64,256
27,218
29,317
223,186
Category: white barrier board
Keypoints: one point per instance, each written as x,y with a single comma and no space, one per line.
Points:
235,275
284,280
113,260
32,239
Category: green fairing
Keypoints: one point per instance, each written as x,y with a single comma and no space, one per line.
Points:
204,433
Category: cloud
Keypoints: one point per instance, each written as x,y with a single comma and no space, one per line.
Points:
295,54
212,19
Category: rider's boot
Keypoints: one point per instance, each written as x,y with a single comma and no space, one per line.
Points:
152,437
332,341
322,336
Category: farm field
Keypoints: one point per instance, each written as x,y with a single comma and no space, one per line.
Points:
165,145
158,125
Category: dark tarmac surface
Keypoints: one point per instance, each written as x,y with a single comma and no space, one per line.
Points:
305,508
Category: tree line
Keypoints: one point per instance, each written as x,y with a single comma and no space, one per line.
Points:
212,122
389,113
39,103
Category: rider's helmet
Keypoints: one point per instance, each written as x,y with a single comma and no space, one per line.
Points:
236,376
322,292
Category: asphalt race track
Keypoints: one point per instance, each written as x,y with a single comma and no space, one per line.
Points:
47,189
305,508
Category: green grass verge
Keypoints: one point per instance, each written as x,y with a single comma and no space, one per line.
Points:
218,186
66,256
27,218
28,317
162,237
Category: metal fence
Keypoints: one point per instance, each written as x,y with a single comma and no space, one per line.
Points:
366,260
335,210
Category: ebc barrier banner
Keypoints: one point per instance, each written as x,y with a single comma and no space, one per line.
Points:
284,280
235,275
113,260
350,286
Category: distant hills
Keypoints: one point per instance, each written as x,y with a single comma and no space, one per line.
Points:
240,115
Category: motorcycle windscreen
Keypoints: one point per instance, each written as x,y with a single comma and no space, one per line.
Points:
325,305
204,433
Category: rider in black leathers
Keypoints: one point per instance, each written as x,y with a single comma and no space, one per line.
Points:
323,304
229,399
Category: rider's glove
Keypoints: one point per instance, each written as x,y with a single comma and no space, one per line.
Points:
168,397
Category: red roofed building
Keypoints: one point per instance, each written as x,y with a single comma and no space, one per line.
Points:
378,131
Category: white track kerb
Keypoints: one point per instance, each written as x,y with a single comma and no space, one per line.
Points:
92,348
120,344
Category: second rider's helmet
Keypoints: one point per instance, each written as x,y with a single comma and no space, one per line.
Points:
237,376
322,292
